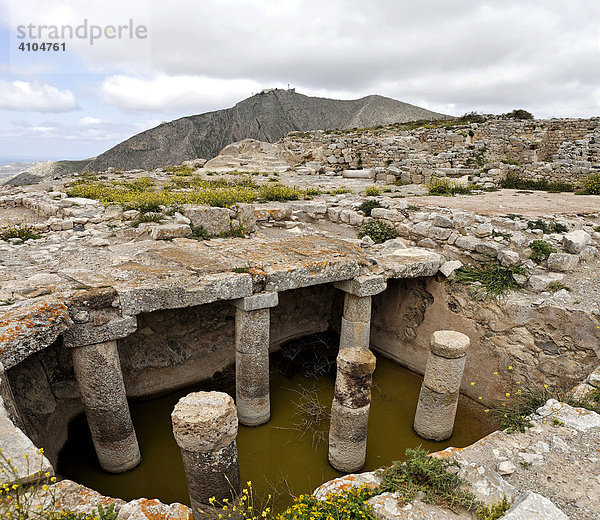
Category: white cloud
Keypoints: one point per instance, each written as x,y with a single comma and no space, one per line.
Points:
89,120
173,93
35,97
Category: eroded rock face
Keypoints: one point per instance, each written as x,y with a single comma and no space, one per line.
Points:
542,345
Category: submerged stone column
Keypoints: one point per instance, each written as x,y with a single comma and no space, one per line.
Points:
350,409
9,399
98,372
205,426
436,410
252,337
356,320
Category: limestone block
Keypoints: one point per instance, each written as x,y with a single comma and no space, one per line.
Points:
152,509
439,233
257,301
532,506
564,262
246,216
484,230
467,242
213,220
448,268
540,282
367,173
578,418
508,257
387,506
487,485
367,478
442,221
489,248
14,445
364,285
575,241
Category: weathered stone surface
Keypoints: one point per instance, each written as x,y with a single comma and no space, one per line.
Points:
19,449
410,263
540,282
73,497
578,418
212,220
562,262
508,257
531,506
152,509
355,367
257,301
448,268
365,285
487,485
100,381
337,485
444,375
79,335
434,418
575,241
205,427
449,344
204,421
169,231
387,507
348,437
467,242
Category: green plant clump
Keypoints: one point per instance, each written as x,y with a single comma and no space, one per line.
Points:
435,478
512,181
372,191
495,511
378,231
347,505
495,281
518,113
369,205
23,232
539,224
591,185
441,186
540,250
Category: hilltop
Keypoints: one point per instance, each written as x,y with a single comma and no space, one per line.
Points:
267,116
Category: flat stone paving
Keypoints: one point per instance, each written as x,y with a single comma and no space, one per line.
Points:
126,279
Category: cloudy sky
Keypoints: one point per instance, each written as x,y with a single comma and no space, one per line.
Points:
452,56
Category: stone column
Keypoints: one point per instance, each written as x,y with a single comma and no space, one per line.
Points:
436,410
356,320
9,399
98,372
205,427
252,322
350,409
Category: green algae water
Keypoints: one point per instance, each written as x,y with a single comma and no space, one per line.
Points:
287,456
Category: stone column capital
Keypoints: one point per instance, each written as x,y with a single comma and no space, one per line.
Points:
257,301
84,334
365,285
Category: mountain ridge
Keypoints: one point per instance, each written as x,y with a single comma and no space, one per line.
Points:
267,116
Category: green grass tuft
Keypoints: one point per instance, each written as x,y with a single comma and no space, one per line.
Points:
496,281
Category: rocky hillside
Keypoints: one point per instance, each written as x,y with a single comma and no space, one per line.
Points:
267,116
